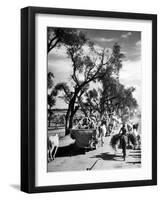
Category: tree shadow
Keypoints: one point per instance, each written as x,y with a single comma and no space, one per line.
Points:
135,156
134,162
136,151
108,156
70,150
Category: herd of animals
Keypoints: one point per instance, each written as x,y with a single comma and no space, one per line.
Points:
122,135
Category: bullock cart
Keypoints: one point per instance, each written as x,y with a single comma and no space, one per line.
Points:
84,138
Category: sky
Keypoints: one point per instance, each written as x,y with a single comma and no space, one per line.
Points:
130,74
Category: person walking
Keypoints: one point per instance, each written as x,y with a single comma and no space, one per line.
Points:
123,139
103,132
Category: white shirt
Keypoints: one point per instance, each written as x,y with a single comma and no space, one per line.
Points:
103,130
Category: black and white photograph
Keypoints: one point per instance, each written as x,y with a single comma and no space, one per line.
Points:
94,99
89,99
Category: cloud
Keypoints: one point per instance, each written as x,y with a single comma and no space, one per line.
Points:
126,35
130,75
102,39
61,69
131,71
58,51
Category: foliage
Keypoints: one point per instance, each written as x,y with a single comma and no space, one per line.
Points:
114,140
117,138
132,138
65,36
113,96
85,69
52,98
67,92
50,80
89,65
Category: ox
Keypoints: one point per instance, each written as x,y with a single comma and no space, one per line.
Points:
52,146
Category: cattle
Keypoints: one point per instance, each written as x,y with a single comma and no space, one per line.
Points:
52,146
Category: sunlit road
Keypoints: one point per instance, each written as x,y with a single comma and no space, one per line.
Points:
70,159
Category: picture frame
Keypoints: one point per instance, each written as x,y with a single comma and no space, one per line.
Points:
29,41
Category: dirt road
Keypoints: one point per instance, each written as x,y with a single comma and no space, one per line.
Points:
69,158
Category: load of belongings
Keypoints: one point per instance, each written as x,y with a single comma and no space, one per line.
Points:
84,133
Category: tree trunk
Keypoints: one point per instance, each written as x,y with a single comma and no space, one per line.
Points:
70,114
49,119
71,120
69,123
49,123
67,118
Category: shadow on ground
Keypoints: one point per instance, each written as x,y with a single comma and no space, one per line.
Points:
135,151
116,157
134,162
135,156
108,156
70,150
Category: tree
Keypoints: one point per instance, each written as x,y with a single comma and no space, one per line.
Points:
127,103
52,93
91,105
113,96
63,36
73,40
50,80
86,67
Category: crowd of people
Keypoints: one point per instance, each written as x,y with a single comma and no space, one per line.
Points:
110,125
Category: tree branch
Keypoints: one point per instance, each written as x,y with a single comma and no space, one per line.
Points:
50,46
74,77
